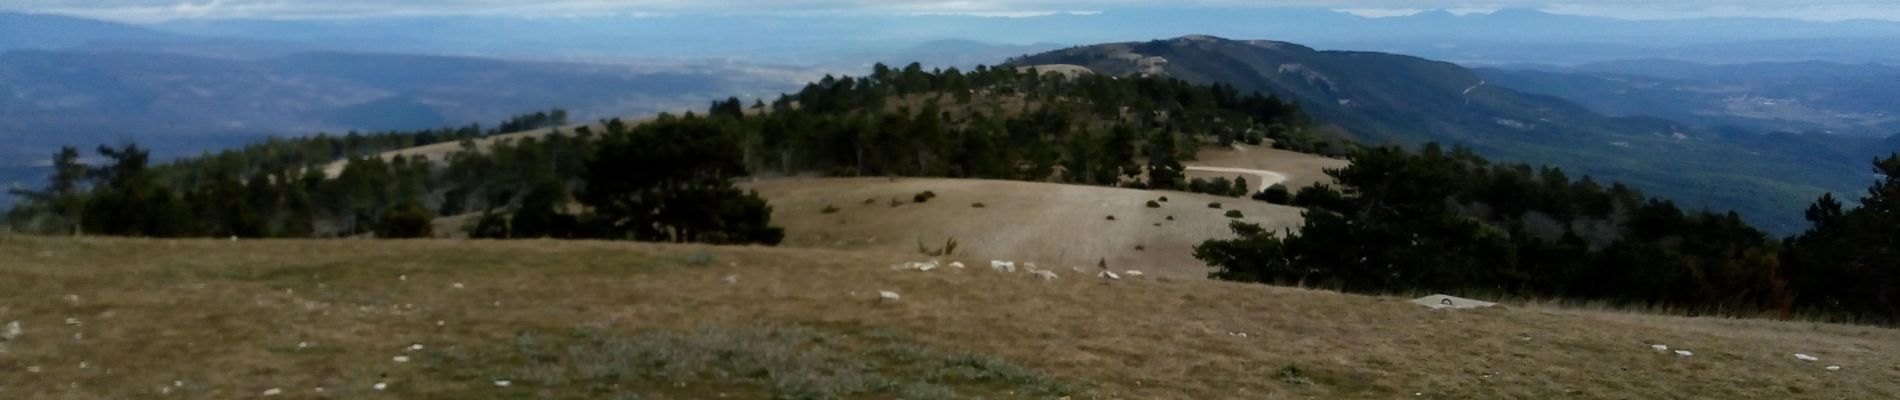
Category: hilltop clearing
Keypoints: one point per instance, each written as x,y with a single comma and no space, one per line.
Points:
1055,225
114,318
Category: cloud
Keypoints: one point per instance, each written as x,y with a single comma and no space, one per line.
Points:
158,10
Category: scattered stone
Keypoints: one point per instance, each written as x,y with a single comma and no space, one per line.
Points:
72,299
1659,348
1833,367
273,392
303,345
458,285
887,295
379,386
1804,357
73,321
400,359
956,264
1045,275
731,279
1439,301
33,369
415,347
11,331
1109,275
503,383
404,278
1684,353
1133,273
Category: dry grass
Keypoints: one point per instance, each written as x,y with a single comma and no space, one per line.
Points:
604,320
1054,225
1301,169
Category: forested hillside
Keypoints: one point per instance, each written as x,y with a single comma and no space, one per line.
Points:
1395,99
669,178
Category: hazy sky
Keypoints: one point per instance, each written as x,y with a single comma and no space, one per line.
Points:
159,10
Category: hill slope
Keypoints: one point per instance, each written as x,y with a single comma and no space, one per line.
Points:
1055,225
1387,98
594,319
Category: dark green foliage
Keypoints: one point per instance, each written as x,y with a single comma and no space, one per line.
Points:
406,221
670,180
1234,214
1453,222
1319,196
59,208
1214,205
1276,194
829,209
923,197
978,205
1153,204
1847,266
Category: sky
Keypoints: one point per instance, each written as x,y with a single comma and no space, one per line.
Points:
164,10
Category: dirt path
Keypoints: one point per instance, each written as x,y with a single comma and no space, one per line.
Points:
1267,178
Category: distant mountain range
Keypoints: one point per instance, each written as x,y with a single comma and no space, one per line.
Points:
1502,37
1387,98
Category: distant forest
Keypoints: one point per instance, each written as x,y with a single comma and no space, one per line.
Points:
1430,219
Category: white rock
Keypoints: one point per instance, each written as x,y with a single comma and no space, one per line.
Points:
1132,273
1804,357
379,386
1684,353
303,345
1005,266
1833,367
33,369
1439,301
1079,270
956,264
11,331
273,392
887,295
1109,275
1046,275
458,285
73,299
1029,266
400,359
731,279
73,321
404,278
927,266
1659,347
503,383
415,347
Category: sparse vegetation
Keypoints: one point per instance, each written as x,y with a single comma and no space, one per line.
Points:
923,197
1152,204
1234,214
540,333
1214,205
1291,375
829,209
978,205
949,248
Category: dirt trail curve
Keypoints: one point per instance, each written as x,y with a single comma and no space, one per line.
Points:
1267,178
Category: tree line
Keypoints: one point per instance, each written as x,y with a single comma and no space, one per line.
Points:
1450,221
